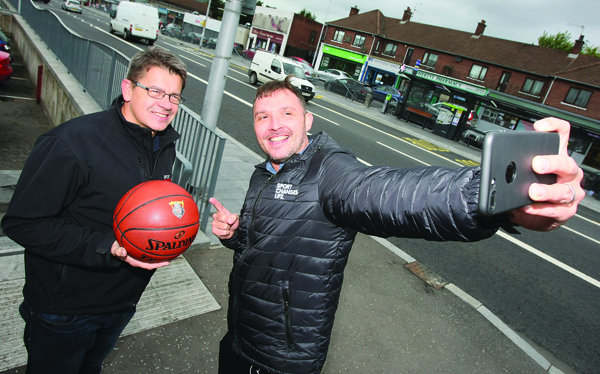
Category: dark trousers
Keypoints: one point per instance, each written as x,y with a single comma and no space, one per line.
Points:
229,363
70,344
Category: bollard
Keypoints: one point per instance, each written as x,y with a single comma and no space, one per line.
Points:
38,91
368,99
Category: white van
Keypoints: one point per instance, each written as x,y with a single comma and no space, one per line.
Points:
135,21
267,66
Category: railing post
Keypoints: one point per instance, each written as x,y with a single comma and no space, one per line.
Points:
111,80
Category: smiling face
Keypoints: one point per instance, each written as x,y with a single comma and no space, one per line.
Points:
281,125
141,109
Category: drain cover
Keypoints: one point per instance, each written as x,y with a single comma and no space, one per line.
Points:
427,275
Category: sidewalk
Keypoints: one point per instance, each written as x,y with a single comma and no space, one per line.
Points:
389,321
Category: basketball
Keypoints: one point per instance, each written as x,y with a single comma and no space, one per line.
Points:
156,221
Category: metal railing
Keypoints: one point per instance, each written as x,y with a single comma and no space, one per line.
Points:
100,69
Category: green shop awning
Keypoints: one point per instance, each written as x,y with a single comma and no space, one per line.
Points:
546,111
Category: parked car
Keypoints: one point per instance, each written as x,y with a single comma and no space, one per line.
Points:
301,60
211,43
6,70
309,72
329,74
193,37
350,88
249,53
71,6
381,92
5,44
172,30
238,49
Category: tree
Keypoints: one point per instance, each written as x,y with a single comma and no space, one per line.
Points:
214,8
562,41
307,14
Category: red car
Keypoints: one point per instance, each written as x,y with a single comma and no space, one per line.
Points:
6,70
301,60
249,53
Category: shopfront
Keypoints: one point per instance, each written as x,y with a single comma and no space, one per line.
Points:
341,59
267,40
382,72
425,98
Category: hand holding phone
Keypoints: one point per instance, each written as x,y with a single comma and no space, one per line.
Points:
506,171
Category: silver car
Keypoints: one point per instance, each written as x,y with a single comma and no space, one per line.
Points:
72,6
329,74
309,72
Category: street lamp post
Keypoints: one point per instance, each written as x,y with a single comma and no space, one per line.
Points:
321,35
205,24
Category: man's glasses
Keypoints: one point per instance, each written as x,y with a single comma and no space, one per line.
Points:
155,93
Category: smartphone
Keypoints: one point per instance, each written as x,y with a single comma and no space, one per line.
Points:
506,171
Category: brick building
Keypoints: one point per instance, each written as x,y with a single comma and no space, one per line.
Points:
507,84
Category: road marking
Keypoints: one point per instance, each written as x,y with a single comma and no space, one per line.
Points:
121,39
550,259
403,154
580,234
195,62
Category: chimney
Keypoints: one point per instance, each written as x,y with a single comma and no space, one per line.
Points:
578,45
406,16
480,27
354,11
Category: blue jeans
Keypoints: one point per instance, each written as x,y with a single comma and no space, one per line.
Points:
70,344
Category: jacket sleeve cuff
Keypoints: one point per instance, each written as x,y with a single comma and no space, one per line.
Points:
103,249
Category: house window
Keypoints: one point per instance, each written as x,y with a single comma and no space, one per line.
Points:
390,49
478,72
578,97
313,34
359,41
430,59
532,86
338,36
377,48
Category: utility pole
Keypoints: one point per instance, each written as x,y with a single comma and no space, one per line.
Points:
220,65
320,36
205,23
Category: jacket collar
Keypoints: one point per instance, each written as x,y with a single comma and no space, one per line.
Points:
136,131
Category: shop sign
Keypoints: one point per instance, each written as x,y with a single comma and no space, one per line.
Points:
384,65
440,79
347,55
268,35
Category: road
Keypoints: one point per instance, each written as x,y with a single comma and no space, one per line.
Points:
545,286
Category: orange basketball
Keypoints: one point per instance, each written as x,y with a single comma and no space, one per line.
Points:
156,221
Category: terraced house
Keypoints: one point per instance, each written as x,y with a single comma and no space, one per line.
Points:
507,84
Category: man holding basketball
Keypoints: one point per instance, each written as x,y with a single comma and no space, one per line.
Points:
81,288
302,212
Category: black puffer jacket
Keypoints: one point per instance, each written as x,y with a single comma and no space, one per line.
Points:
62,211
296,231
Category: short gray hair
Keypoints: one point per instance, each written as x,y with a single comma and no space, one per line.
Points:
156,57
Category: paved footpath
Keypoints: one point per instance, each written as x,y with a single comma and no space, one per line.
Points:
388,321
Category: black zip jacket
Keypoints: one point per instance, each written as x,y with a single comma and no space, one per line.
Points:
295,234
62,208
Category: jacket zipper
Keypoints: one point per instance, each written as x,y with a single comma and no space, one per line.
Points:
238,264
287,313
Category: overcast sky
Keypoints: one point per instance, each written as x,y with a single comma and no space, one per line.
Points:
518,20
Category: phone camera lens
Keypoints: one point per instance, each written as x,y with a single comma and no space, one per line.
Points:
511,173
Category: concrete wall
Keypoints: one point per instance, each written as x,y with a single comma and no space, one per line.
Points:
62,97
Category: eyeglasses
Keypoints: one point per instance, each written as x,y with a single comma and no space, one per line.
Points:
155,93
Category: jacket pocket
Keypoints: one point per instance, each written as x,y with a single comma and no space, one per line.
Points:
287,313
